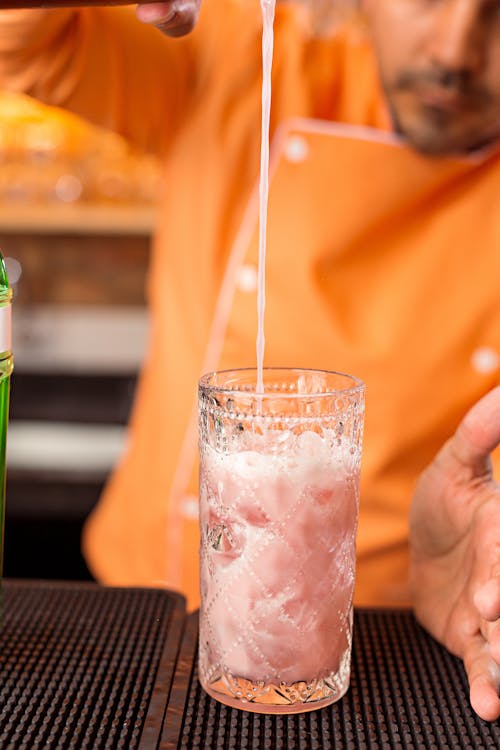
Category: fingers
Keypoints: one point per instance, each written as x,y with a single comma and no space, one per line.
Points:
173,17
487,600
494,641
484,679
484,697
482,657
479,432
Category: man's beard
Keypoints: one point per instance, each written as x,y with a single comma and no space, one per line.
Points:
438,134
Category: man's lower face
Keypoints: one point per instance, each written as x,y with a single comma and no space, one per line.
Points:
438,124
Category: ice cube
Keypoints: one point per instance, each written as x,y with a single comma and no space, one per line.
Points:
310,444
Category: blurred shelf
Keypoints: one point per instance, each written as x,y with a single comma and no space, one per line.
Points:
79,398
79,339
79,450
82,219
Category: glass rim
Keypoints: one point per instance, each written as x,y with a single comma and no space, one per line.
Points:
357,387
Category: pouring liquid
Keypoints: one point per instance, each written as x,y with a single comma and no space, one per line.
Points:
268,9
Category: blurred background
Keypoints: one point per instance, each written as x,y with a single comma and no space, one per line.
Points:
77,211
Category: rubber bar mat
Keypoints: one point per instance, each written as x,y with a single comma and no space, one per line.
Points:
406,692
84,666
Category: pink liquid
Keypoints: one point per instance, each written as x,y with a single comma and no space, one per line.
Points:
268,8
278,526
277,576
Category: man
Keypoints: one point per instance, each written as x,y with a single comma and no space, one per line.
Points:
383,261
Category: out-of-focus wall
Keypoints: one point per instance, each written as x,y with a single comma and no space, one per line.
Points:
77,211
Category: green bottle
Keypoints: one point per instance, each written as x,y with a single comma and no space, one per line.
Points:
6,367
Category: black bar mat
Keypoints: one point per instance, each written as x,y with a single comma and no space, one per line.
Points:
406,692
84,666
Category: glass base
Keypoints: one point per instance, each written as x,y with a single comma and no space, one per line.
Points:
272,699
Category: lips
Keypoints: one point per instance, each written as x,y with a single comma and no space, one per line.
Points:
448,101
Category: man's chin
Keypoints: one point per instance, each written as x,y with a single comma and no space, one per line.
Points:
441,139
433,131
435,145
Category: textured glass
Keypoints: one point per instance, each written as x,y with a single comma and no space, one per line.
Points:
279,493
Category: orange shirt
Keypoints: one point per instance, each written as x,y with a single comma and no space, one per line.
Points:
381,262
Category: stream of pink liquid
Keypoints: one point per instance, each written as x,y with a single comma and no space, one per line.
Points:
268,7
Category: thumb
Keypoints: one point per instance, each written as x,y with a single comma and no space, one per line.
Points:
478,434
172,17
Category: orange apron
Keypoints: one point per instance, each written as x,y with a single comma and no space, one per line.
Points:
380,263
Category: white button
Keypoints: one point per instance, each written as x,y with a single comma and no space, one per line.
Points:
189,508
247,279
296,149
485,360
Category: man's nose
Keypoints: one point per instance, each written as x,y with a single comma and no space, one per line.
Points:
458,42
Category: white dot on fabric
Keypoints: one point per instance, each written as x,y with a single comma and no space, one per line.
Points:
189,507
247,278
296,149
485,360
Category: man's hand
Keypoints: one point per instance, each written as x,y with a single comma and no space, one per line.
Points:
455,552
173,17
